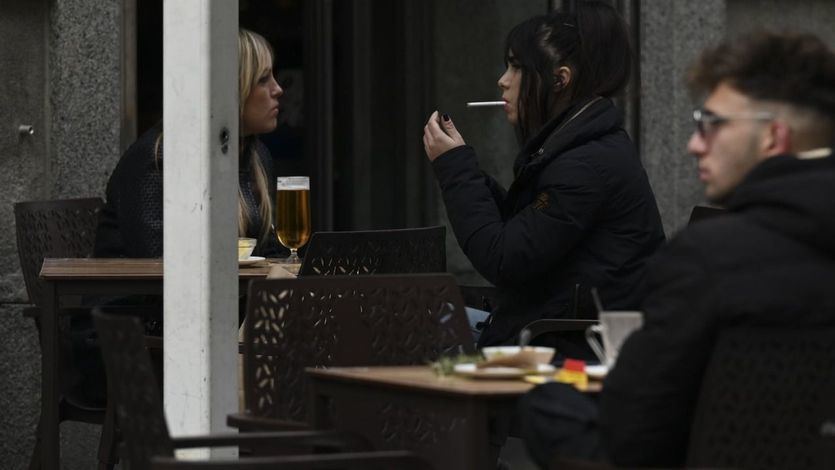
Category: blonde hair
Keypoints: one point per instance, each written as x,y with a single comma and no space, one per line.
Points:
254,54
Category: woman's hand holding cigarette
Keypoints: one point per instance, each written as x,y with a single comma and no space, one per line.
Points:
440,135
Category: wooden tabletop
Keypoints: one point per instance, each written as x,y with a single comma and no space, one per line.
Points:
422,378
56,269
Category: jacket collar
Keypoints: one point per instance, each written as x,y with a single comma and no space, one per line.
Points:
577,125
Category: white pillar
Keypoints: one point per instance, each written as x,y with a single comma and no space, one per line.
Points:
200,101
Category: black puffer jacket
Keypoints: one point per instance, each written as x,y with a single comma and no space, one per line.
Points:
579,214
130,224
770,261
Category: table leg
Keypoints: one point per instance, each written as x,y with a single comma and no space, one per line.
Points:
50,449
477,434
318,406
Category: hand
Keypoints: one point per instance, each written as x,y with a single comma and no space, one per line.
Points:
437,140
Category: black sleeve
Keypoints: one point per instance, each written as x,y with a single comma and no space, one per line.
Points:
649,396
140,207
109,242
498,192
532,241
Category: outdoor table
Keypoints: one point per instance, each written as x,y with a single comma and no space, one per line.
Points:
90,277
445,419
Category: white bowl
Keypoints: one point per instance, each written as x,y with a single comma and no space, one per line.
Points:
543,354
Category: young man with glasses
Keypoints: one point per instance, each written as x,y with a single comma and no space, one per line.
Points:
763,145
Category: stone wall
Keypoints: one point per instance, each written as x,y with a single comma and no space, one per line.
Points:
671,35
85,95
61,59
23,53
814,16
23,160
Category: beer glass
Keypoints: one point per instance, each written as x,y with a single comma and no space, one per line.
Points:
292,213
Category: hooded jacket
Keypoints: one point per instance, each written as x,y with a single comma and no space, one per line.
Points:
579,214
769,261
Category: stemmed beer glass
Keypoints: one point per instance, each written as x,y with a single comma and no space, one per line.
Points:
292,214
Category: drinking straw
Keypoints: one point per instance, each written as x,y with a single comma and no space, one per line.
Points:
596,297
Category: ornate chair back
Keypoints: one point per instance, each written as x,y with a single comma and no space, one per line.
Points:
64,228
765,399
412,250
343,321
53,229
133,388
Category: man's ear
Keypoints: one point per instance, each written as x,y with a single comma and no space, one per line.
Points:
562,77
779,139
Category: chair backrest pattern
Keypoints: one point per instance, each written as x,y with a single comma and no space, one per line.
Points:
53,229
764,397
133,388
343,321
416,250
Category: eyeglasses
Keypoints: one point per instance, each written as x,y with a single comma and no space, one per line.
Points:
707,121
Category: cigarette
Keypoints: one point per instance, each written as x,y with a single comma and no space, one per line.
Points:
478,104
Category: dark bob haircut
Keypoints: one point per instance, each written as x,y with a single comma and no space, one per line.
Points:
593,44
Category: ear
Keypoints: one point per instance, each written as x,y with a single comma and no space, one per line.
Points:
562,77
778,140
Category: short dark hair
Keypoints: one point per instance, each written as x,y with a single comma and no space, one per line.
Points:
797,69
593,43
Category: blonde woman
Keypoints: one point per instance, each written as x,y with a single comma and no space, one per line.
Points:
131,221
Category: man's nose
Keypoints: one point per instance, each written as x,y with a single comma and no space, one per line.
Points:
697,145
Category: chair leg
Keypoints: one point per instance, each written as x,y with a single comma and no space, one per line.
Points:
35,461
109,441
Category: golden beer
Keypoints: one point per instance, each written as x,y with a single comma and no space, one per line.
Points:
292,213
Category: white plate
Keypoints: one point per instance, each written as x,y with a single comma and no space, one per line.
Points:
250,260
470,370
596,371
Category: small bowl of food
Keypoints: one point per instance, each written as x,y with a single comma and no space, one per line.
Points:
537,354
245,248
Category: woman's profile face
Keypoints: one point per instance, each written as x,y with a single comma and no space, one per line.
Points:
509,83
261,106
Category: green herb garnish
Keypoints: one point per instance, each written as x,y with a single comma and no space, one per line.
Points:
446,365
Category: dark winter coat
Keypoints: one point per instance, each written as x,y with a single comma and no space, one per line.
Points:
579,214
130,224
770,261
